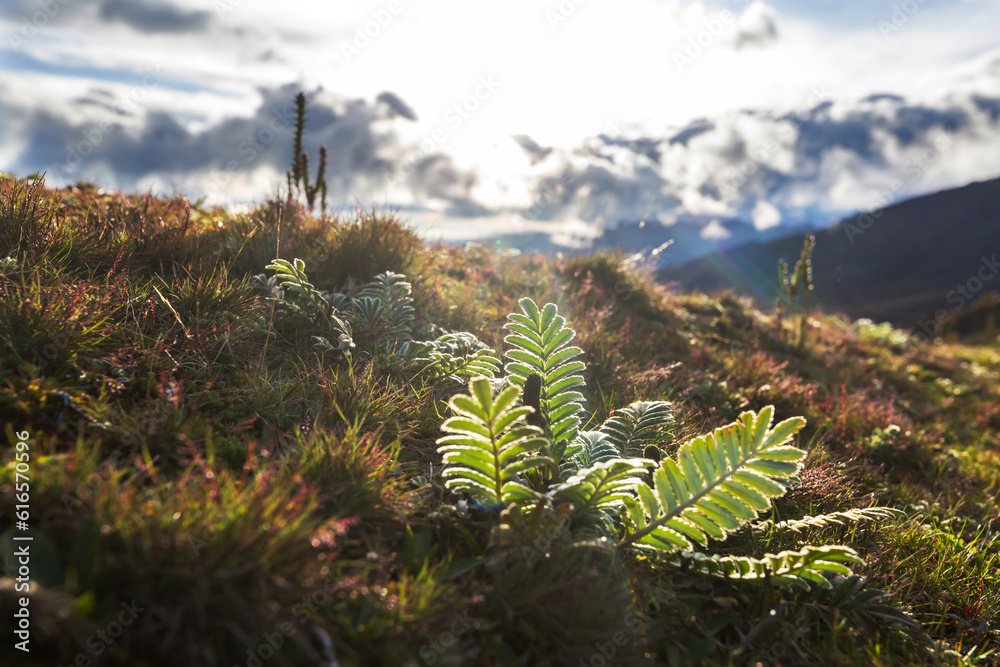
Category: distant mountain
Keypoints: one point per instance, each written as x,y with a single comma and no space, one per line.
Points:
539,242
690,236
929,255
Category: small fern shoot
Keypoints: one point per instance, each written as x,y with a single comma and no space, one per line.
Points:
590,447
488,445
642,423
293,281
293,289
539,344
394,293
603,485
457,356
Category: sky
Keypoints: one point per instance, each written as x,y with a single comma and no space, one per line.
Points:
475,118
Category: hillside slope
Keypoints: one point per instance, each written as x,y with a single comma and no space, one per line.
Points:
213,481
898,265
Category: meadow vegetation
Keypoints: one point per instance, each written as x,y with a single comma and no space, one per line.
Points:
251,453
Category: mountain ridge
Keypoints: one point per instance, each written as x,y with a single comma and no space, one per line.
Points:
897,264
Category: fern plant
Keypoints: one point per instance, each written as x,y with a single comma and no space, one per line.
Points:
488,445
294,286
539,345
380,318
641,424
714,484
807,568
843,518
456,356
393,292
605,484
290,286
590,447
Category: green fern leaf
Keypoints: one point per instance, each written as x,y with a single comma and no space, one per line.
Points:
590,447
489,445
394,293
813,565
457,356
831,519
539,343
640,424
716,483
603,485
292,278
293,288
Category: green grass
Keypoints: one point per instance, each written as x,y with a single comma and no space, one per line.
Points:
193,451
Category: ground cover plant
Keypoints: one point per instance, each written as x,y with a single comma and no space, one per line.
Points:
293,438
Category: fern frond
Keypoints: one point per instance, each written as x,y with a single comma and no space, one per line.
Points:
640,424
292,278
456,356
268,285
603,485
291,286
394,292
489,445
790,569
716,483
831,519
590,447
367,313
539,343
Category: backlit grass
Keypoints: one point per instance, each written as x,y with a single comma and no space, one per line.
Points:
193,451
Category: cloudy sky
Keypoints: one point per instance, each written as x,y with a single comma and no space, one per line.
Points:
513,115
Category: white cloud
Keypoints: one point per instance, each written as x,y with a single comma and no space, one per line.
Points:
714,231
605,64
765,215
